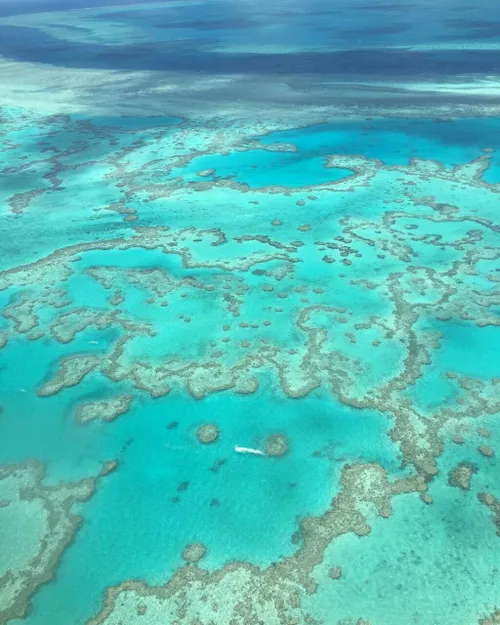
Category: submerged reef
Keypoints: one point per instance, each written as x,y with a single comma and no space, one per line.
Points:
493,504
461,475
272,319
106,409
365,284
208,433
245,594
194,552
39,523
277,445
493,619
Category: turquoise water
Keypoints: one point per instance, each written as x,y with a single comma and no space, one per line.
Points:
246,218
397,141
263,169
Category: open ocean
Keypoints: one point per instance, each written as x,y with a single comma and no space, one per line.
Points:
250,312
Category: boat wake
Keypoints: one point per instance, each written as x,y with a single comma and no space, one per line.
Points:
248,450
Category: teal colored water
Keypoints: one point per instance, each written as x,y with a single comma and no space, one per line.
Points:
137,516
466,351
280,222
450,142
263,169
440,559
141,521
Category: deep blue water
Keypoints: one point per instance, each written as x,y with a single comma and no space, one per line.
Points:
348,39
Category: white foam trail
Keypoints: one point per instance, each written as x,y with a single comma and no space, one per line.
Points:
248,450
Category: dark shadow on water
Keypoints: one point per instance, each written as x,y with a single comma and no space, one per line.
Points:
30,45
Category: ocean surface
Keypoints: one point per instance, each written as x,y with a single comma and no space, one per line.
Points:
249,312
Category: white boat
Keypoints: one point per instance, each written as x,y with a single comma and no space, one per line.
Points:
248,450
